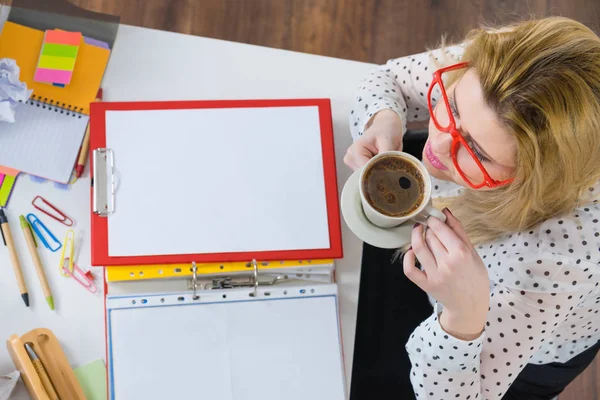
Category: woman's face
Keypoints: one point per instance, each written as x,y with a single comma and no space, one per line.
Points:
491,142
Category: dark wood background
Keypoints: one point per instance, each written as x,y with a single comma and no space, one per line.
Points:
363,30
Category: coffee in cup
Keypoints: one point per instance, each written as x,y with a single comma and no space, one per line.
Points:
396,187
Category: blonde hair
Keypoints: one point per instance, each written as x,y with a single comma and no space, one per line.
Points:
542,80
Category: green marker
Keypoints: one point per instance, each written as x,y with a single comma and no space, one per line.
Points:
29,238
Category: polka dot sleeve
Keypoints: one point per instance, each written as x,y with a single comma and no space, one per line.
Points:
537,293
400,85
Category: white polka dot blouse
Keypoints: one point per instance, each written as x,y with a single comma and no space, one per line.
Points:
544,282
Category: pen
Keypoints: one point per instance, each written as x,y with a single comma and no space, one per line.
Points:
8,242
36,260
85,145
39,368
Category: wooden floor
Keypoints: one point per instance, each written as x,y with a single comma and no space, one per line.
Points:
364,30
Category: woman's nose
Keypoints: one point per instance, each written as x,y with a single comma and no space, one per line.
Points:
441,143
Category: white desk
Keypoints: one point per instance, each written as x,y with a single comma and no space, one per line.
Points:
154,65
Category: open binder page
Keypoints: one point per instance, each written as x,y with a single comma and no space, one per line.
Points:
214,180
285,346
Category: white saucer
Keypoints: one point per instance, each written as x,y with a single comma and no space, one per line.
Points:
385,238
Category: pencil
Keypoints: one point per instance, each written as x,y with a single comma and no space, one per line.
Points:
36,260
85,145
41,371
8,242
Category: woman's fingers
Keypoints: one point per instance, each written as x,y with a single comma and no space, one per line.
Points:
412,272
421,249
455,225
437,248
358,154
361,156
446,235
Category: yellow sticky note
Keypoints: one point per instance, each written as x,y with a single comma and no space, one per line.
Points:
53,62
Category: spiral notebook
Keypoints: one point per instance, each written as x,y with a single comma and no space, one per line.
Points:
46,137
44,141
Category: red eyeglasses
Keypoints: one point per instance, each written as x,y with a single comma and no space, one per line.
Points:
466,159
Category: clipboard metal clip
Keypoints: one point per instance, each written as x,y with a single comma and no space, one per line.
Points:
103,182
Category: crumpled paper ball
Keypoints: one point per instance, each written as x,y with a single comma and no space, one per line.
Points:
12,90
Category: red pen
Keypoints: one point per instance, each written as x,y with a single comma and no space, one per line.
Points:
85,145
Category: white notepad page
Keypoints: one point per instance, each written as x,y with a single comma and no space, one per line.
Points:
217,180
249,350
43,141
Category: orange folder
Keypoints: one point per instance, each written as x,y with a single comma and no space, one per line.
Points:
23,44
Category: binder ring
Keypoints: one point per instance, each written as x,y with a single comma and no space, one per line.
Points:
195,281
255,270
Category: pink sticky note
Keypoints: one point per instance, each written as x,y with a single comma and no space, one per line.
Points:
52,75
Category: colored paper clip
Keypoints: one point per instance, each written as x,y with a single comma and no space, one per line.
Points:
50,210
85,279
70,244
43,233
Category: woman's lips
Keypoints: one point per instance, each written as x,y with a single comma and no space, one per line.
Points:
433,160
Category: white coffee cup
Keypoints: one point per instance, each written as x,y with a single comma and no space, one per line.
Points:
420,215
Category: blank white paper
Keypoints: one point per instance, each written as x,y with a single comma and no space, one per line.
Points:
44,141
250,350
217,180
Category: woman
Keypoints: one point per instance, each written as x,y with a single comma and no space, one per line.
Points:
514,152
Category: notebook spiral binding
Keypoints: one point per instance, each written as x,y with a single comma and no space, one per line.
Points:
56,106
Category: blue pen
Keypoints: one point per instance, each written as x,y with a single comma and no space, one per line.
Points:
43,232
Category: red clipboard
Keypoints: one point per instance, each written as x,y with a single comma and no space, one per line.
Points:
99,224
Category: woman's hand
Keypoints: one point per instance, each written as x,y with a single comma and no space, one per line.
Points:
453,274
383,134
